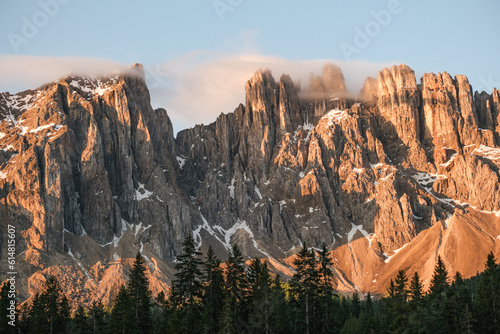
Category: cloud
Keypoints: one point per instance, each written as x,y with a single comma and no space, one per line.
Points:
18,73
194,88
199,86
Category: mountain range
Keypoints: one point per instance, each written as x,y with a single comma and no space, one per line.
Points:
388,179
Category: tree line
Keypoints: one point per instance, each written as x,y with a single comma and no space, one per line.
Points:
210,297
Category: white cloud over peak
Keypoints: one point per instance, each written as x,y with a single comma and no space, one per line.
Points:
194,88
18,73
198,87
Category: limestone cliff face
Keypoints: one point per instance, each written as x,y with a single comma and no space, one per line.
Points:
89,157
91,174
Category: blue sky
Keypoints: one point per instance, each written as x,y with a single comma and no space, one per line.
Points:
198,54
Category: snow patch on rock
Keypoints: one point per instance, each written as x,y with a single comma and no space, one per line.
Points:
142,193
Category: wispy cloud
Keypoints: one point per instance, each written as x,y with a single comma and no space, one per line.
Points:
200,86
19,73
194,88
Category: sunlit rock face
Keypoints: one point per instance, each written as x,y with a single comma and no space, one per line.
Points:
90,174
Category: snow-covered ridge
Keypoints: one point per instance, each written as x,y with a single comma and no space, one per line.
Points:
92,85
224,236
356,228
388,258
335,116
135,229
426,180
21,101
492,153
12,105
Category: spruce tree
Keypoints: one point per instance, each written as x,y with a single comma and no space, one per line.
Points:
79,323
259,281
487,303
355,304
227,319
122,315
236,285
55,305
96,316
325,273
400,286
439,281
325,277
236,280
37,319
391,290
163,305
213,297
187,286
397,307
64,316
138,290
305,282
416,287
280,320
456,305
326,280
49,310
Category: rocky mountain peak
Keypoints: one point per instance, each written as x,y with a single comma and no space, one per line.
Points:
91,175
332,79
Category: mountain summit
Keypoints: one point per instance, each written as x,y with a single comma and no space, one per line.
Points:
90,174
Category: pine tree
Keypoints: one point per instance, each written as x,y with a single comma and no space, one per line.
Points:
391,290
55,305
49,310
164,308
64,316
122,314
326,280
80,321
187,285
37,319
487,303
259,281
96,317
397,307
236,285
416,287
236,280
305,282
227,318
439,281
213,297
456,304
138,290
325,273
400,286
280,319
355,304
